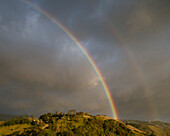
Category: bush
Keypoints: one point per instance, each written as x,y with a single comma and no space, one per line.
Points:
20,120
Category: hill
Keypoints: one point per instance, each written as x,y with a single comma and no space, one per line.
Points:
75,124
155,128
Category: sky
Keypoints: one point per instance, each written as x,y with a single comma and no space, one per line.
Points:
42,70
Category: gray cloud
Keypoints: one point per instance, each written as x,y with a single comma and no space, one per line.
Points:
42,70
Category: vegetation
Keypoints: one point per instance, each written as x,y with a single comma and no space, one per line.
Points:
20,120
13,129
74,124
151,128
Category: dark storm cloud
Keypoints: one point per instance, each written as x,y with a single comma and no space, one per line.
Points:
145,31
28,73
41,66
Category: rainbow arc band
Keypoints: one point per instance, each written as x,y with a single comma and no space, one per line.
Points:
84,51
131,58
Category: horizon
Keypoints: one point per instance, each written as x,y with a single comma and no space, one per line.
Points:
37,116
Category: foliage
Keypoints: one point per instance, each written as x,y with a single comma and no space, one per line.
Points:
13,129
80,123
151,128
20,120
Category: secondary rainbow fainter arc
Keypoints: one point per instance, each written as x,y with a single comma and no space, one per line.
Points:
84,51
132,60
135,65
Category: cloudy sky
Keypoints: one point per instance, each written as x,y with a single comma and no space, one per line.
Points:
42,70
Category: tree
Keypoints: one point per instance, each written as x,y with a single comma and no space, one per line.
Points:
45,118
71,112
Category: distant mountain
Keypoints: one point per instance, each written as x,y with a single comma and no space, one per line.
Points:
4,117
80,124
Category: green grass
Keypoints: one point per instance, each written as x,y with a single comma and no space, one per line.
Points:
7,130
155,128
159,131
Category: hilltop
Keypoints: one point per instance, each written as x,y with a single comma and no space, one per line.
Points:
79,124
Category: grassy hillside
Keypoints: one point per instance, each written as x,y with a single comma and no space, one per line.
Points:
155,128
74,124
8,130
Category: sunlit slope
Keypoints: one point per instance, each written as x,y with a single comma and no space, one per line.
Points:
155,128
13,129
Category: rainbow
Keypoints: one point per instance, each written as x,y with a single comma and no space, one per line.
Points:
137,69
84,51
133,61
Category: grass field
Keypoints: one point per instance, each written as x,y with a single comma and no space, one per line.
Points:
7,130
